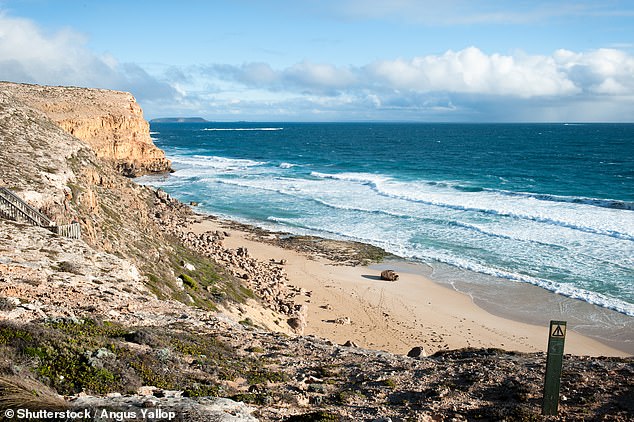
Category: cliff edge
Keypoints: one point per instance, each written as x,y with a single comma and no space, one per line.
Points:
110,122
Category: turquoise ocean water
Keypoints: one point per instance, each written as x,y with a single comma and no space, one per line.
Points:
546,204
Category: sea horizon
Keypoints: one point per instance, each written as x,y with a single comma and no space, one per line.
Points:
157,120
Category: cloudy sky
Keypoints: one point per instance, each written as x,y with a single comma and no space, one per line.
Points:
335,60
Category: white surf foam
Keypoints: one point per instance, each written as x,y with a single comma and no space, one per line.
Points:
215,162
604,221
367,235
223,129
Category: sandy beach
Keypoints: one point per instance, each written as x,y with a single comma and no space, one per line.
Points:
352,303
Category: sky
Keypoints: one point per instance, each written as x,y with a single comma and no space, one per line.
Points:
335,60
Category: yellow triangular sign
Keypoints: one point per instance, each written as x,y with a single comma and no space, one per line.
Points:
558,332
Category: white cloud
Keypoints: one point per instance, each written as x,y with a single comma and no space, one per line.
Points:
472,71
466,84
303,76
468,71
327,76
27,54
604,71
259,73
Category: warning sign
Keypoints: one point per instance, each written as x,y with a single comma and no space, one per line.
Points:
554,361
558,330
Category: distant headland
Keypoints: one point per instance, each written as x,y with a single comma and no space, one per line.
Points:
179,120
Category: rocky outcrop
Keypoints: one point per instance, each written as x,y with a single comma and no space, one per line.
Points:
267,280
170,406
389,275
110,122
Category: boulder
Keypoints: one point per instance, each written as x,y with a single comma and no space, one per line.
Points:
188,266
298,321
389,275
343,321
417,352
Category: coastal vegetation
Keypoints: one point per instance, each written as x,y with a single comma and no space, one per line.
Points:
99,357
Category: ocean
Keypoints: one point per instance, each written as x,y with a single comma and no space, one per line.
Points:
546,204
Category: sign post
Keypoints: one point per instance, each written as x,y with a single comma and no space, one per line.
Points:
554,360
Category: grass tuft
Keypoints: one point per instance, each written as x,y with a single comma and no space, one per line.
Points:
19,392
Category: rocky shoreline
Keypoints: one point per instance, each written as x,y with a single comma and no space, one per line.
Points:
267,280
338,252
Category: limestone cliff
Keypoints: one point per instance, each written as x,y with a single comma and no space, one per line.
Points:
64,178
110,122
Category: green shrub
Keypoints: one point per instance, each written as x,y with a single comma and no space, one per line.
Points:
188,281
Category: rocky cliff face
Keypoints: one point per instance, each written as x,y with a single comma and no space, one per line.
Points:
110,122
64,178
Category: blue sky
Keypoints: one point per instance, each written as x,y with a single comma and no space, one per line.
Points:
331,60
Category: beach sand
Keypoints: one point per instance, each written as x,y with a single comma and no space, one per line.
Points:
397,316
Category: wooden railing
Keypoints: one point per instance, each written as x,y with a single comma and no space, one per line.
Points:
21,211
12,207
72,230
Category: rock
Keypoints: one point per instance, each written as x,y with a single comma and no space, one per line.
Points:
295,323
146,390
162,195
302,400
12,301
188,266
417,352
350,344
298,321
343,321
389,275
179,283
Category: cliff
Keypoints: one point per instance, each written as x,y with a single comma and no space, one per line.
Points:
110,122
63,177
